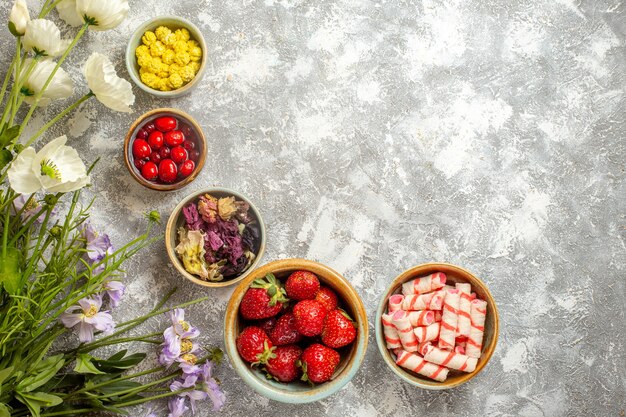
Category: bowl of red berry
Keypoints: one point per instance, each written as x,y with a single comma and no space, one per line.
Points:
295,331
165,149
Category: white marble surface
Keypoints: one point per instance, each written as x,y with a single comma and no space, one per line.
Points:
377,135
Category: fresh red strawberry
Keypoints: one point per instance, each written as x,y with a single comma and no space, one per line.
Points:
265,298
284,332
339,329
254,345
309,316
283,365
328,298
267,325
318,363
302,285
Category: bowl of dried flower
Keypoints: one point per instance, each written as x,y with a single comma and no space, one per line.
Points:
215,237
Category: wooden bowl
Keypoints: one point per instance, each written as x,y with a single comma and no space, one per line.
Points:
454,274
351,356
172,22
176,220
148,117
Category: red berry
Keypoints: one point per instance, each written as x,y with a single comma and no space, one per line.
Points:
165,123
139,163
310,315
149,127
141,149
194,155
142,134
187,131
189,144
318,363
149,171
164,152
257,303
302,285
328,298
155,157
155,139
284,332
174,138
178,154
167,171
187,168
267,325
254,346
339,329
283,366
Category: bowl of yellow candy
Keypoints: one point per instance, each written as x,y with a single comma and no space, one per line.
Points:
166,56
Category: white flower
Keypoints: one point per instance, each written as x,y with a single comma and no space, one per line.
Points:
60,87
114,92
19,16
103,14
67,12
55,168
44,38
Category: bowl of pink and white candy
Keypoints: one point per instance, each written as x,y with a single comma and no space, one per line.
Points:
437,326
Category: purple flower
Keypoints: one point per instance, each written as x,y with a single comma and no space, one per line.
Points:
98,245
192,217
211,387
213,240
151,414
89,317
194,395
177,407
31,209
178,345
115,291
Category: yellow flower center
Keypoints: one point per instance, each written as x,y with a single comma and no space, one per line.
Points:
92,311
186,345
49,169
190,358
184,325
32,204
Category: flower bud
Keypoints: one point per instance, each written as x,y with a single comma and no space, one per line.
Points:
19,17
55,231
153,216
50,199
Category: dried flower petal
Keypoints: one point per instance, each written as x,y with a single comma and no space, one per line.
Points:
191,252
207,207
226,208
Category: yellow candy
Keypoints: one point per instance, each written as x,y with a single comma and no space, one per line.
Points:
176,81
168,59
162,32
148,38
182,34
182,58
168,56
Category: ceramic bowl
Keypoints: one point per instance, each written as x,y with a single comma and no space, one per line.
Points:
148,117
172,22
454,274
351,356
177,220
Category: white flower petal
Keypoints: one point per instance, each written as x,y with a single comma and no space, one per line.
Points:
114,92
44,36
21,175
60,87
67,12
19,16
71,169
68,187
107,14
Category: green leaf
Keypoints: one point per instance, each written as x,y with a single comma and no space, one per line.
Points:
118,386
42,373
13,29
84,365
4,411
117,362
5,373
8,135
35,400
10,276
5,157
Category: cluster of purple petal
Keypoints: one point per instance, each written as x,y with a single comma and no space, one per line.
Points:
87,314
196,382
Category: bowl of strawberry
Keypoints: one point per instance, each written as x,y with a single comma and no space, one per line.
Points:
164,149
295,331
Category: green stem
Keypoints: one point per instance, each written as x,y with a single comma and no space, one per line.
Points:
7,77
60,116
14,90
79,35
99,343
